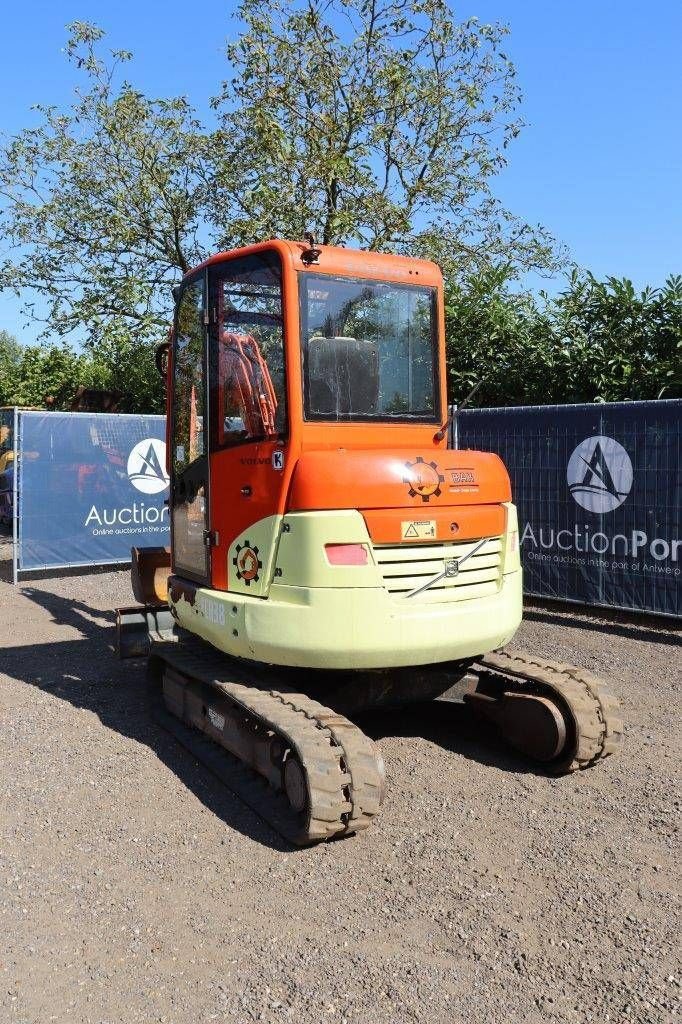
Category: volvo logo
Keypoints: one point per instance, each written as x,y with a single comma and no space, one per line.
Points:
599,474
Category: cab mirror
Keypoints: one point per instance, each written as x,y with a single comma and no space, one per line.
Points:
161,358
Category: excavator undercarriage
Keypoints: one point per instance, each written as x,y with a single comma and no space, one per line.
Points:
308,770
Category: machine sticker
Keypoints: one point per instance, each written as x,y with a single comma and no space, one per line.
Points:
423,478
247,563
463,476
420,529
216,720
211,609
278,460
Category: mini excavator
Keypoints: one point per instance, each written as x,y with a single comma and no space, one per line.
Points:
329,553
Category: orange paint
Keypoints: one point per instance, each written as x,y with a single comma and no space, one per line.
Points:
394,478
391,471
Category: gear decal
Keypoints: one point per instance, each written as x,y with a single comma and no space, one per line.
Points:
423,478
247,563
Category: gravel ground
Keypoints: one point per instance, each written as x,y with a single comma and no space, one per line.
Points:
133,888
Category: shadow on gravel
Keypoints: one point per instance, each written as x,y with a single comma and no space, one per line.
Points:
87,674
453,727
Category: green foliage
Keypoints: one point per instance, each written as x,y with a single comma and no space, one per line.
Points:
375,124
101,203
615,343
496,335
129,368
33,374
596,341
52,372
379,123
10,358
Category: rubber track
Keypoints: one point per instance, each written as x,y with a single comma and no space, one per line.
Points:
343,768
593,711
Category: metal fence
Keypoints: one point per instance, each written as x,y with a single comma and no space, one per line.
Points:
598,488
599,493
85,487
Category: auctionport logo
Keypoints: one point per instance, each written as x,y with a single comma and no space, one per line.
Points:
599,474
147,466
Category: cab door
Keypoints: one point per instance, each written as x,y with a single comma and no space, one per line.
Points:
249,434
189,497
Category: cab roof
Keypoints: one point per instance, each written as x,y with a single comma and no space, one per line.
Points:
341,262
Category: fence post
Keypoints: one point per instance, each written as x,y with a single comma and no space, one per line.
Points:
15,492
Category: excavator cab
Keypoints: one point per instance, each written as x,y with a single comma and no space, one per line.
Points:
315,508
270,354
322,531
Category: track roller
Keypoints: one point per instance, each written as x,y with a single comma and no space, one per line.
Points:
556,714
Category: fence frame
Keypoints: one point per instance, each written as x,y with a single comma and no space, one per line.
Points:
603,411
15,492
19,415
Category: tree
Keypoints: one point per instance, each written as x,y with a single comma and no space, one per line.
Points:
378,123
10,359
129,367
498,340
596,341
387,135
102,204
53,372
614,343
31,375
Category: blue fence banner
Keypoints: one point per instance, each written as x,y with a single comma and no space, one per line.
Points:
89,486
599,493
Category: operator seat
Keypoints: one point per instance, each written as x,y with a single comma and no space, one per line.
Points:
342,376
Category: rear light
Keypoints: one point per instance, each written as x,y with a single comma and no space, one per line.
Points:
513,541
346,554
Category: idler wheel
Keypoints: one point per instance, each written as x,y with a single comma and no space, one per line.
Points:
557,714
295,785
533,725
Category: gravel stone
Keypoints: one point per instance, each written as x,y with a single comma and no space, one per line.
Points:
134,888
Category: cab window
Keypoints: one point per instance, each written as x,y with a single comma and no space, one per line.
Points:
248,379
369,350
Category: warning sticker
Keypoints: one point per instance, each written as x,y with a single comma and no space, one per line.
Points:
217,720
419,529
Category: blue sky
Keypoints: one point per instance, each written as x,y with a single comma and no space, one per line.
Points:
600,163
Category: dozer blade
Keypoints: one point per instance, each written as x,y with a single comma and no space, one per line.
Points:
149,572
556,714
304,769
138,625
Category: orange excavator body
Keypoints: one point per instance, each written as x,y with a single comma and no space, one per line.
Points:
330,553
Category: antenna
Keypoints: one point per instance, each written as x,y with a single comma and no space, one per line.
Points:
440,434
